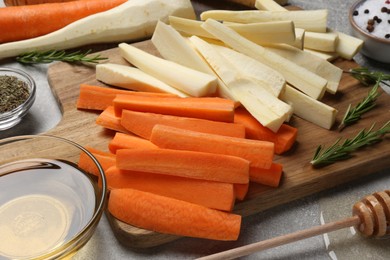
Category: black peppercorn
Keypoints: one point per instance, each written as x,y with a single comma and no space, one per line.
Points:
387,36
384,9
355,13
366,11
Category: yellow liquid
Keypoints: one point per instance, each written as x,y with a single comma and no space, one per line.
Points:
41,207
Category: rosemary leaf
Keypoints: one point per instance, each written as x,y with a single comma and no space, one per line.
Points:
367,77
343,150
353,114
58,55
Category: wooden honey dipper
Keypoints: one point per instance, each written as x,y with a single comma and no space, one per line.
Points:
370,216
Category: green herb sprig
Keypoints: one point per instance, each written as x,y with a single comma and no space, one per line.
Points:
367,77
58,55
342,150
353,114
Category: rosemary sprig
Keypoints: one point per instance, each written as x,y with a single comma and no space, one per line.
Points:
367,77
353,114
58,55
341,151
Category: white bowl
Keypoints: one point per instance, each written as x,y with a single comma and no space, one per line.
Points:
374,47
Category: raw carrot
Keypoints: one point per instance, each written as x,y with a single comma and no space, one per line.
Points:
109,120
270,177
142,123
128,141
211,108
190,164
99,98
29,21
211,194
284,138
105,159
241,190
32,2
167,215
259,153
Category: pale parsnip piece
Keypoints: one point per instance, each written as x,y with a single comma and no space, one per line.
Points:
348,46
174,47
303,79
270,111
269,5
132,78
310,109
310,20
329,56
126,22
254,69
299,37
313,63
326,42
190,81
260,33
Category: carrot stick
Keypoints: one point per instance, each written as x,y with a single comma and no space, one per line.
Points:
127,141
211,108
109,120
283,139
105,159
24,22
270,177
99,98
259,153
190,164
141,124
167,215
211,194
241,190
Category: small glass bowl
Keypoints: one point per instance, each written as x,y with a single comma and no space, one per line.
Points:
13,117
374,47
49,207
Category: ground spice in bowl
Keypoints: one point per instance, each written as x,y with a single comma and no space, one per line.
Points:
13,93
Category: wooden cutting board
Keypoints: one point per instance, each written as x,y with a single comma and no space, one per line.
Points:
299,180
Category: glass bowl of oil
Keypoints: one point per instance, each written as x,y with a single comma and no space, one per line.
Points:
17,95
49,206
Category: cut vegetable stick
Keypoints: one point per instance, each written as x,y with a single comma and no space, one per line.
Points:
141,124
310,20
269,5
105,159
259,153
128,77
329,56
189,164
241,190
128,141
109,120
167,215
326,41
99,98
211,194
283,139
270,177
190,81
210,108
348,46
25,22
307,81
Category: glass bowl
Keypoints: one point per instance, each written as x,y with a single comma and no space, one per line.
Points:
376,45
49,208
11,118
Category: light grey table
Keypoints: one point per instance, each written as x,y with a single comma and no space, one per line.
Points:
326,206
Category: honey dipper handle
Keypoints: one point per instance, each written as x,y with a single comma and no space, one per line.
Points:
285,239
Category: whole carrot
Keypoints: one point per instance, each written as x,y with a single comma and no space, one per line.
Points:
24,22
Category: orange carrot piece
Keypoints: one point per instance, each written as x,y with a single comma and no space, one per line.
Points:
105,159
109,120
167,215
211,108
270,177
241,190
99,98
211,194
283,139
259,153
127,141
141,124
24,22
189,164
